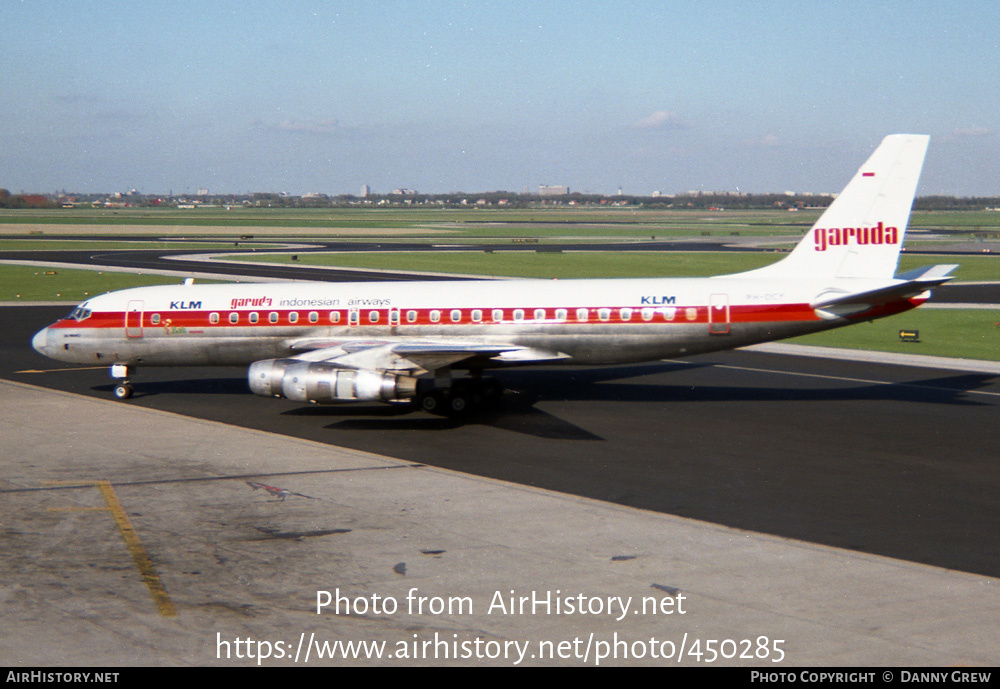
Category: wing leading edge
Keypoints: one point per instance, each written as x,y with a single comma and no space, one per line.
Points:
415,356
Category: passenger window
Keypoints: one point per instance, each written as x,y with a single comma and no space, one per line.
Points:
560,314
234,317
373,316
497,315
456,316
477,316
626,314
254,317
539,314
293,317
213,318
518,314
313,317
272,317
335,316
435,316
411,316
647,314
604,314
155,319
581,314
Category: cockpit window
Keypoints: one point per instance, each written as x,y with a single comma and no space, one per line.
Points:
80,313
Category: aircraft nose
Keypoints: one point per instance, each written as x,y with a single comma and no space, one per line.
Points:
41,340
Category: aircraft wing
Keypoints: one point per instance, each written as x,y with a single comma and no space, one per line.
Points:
916,282
415,355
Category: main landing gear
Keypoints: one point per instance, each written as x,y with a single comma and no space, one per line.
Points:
465,396
123,390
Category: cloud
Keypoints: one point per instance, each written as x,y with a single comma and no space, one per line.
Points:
968,133
663,119
317,127
123,115
323,127
77,98
766,141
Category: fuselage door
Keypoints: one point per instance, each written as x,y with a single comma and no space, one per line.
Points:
718,314
393,317
133,318
353,317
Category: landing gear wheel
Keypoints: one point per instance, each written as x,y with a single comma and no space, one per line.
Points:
123,391
432,402
458,404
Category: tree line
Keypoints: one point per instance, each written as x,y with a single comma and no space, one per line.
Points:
8,200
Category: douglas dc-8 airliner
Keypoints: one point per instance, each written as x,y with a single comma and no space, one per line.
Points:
392,342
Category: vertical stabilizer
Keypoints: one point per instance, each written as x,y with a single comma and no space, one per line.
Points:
861,233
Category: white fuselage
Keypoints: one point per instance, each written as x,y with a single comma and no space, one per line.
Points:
574,321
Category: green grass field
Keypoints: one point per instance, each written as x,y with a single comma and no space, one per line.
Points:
963,333
112,245
593,264
34,283
530,264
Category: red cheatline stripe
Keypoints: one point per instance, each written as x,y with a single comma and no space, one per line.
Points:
738,313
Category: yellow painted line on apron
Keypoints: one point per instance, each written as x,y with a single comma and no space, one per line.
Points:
139,555
57,370
132,541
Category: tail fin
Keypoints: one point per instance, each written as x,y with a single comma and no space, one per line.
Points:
861,233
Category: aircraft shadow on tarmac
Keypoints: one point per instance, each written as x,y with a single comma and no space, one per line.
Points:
518,411
189,386
526,388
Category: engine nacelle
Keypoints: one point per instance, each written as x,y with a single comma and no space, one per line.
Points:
265,376
304,381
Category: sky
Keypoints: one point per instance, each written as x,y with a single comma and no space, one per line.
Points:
441,96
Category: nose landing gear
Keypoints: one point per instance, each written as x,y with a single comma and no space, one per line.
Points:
123,390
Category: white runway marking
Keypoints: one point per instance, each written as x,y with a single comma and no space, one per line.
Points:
846,379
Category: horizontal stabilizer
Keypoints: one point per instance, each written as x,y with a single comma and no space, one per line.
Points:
916,282
928,272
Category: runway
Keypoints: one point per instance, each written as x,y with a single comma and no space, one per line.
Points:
890,460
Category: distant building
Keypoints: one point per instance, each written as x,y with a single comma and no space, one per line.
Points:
365,191
552,190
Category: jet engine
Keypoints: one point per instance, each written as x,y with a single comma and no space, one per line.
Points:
304,381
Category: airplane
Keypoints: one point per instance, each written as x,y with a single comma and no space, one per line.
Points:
402,341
